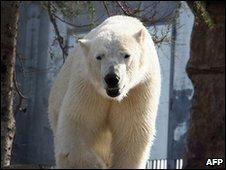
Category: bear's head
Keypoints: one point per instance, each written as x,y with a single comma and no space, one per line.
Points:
116,61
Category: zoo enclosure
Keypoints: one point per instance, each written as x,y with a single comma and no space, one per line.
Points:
39,60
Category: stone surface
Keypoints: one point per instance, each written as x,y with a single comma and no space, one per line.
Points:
206,68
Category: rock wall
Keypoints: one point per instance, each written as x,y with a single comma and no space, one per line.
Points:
206,69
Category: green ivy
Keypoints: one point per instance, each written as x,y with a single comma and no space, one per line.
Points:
204,14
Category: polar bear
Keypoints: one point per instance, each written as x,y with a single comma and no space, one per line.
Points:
103,103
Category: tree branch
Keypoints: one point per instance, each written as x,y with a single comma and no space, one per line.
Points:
71,24
124,10
17,87
106,8
60,39
21,96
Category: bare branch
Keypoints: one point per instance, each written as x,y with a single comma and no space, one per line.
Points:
21,96
60,39
130,10
146,8
106,8
17,88
73,25
159,40
124,10
148,17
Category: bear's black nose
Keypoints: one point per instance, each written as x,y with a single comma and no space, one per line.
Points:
112,80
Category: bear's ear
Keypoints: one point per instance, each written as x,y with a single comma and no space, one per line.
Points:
85,45
140,35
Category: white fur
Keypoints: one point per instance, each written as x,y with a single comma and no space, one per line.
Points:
91,129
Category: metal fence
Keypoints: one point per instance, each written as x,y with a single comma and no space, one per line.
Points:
162,164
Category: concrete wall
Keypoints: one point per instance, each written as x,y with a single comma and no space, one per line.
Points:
182,90
177,89
33,141
159,148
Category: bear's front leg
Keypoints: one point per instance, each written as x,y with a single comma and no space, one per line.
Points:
131,143
72,150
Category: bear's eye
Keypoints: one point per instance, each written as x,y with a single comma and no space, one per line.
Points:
98,57
126,56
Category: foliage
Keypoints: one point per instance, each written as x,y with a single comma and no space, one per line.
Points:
201,13
206,17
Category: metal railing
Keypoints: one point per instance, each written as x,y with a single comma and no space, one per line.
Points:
164,164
